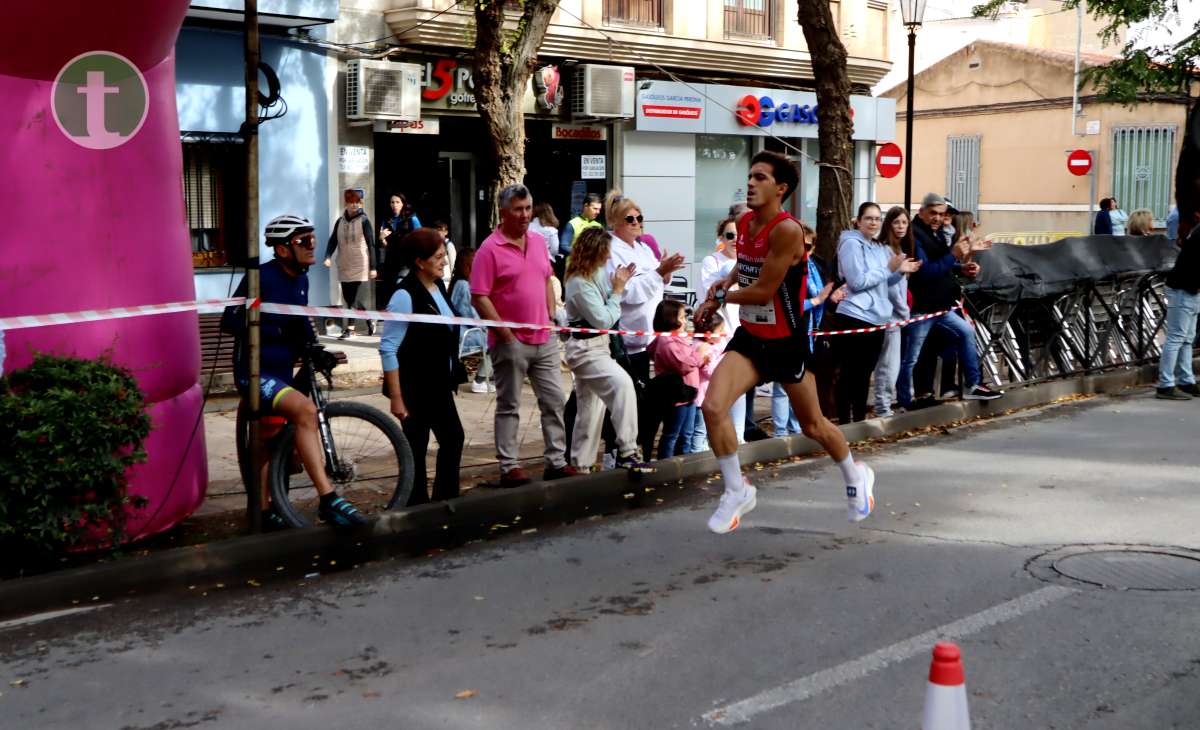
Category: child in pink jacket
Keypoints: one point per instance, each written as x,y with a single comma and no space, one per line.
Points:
676,355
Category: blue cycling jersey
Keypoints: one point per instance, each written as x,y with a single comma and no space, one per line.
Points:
284,337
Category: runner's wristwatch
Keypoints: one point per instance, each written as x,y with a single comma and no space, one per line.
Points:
719,296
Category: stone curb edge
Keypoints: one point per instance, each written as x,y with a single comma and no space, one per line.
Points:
190,565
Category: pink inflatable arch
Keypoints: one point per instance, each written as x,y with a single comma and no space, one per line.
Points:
92,201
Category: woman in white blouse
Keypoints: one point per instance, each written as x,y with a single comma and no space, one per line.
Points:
650,277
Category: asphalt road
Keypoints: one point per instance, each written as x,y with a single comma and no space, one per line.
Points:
796,620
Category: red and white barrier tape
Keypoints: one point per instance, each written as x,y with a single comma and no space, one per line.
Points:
96,315
216,305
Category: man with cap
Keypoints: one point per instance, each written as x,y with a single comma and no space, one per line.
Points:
934,288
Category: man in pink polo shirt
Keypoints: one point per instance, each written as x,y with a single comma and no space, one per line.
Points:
510,281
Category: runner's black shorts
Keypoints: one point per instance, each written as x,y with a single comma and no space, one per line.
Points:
781,360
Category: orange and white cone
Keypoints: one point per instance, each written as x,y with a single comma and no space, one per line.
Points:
946,693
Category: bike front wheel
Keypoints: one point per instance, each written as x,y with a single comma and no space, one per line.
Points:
372,465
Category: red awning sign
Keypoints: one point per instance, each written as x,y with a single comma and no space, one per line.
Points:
889,160
1079,162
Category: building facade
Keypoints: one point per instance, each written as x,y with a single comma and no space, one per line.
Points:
992,129
293,140
677,147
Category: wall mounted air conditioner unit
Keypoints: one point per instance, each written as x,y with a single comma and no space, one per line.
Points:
602,91
383,90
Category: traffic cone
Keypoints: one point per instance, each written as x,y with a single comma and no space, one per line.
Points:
946,693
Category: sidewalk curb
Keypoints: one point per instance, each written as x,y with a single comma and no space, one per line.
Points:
600,493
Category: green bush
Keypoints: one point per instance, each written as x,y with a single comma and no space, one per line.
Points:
70,430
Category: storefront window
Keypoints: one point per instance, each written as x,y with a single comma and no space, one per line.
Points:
722,164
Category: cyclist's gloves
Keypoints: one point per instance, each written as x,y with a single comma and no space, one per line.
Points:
323,360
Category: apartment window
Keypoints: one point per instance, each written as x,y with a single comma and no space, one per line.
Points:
1143,159
749,18
647,13
214,195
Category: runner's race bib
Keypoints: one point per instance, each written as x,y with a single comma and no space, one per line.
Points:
758,313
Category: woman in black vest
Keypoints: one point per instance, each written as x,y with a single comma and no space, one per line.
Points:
421,370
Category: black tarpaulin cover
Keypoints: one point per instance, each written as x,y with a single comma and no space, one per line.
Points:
1013,273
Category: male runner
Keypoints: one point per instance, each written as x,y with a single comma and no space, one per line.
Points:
284,280
772,343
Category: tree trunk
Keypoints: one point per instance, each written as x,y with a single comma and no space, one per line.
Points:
834,125
503,63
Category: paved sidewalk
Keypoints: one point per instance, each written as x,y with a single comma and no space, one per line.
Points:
359,380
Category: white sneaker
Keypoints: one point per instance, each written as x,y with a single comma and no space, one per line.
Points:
478,387
733,505
861,500
491,387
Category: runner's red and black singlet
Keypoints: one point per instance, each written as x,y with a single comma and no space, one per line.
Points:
784,316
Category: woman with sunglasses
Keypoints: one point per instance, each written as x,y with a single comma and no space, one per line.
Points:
643,292
650,276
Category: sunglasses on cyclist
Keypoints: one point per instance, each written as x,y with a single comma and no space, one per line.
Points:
632,218
308,240
729,235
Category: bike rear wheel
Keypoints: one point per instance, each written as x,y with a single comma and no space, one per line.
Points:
374,468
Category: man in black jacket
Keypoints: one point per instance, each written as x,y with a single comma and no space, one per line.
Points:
1176,381
934,288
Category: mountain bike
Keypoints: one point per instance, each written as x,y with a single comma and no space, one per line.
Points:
367,457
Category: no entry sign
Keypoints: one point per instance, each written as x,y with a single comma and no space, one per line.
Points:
889,159
1079,162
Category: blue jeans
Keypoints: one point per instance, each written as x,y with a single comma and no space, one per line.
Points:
700,432
913,339
677,431
781,412
1175,365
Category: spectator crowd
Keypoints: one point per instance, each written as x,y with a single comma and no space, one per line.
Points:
630,398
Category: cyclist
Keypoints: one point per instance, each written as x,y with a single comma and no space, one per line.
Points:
284,338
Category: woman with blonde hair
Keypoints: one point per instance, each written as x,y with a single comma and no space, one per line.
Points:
1141,223
593,300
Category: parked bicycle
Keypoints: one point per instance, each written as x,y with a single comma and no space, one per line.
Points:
366,454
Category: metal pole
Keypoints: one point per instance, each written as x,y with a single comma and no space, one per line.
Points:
1092,200
250,135
908,124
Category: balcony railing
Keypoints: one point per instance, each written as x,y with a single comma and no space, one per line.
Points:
643,13
749,18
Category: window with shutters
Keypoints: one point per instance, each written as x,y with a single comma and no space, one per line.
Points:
214,196
962,172
1143,160
749,19
646,13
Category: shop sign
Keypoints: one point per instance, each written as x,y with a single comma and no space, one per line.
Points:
762,111
592,167
582,132
665,106
432,125
449,84
353,159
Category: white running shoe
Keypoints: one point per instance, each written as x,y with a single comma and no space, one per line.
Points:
478,387
729,513
861,500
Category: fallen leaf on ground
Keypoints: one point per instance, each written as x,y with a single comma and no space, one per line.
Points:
466,694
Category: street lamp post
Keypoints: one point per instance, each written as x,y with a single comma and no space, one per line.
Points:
911,12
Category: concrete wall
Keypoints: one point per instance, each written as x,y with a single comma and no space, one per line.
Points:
293,150
659,172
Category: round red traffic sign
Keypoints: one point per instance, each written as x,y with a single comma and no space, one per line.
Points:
889,159
1079,162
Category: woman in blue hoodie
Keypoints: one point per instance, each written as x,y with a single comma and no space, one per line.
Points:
869,269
